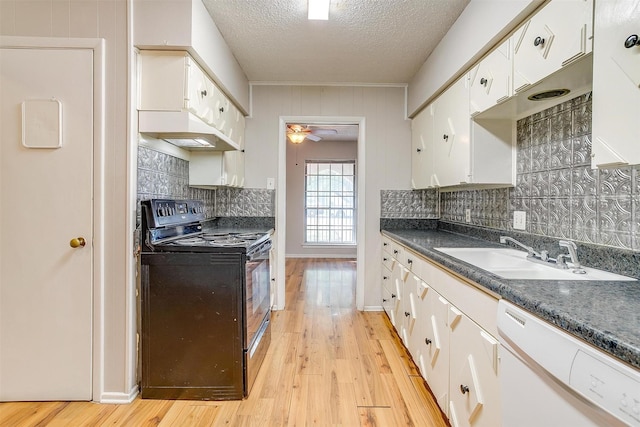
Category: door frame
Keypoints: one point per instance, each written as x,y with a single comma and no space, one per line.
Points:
98,239
281,201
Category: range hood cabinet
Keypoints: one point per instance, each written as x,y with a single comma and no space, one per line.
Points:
185,130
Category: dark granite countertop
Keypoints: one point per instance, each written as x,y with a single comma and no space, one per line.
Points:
603,313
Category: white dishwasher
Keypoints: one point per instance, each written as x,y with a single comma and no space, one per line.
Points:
552,379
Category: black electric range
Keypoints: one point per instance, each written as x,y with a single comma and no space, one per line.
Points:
205,304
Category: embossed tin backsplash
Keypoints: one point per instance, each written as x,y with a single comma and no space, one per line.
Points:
555,185
161,175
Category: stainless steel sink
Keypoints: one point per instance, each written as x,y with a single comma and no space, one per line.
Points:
512,264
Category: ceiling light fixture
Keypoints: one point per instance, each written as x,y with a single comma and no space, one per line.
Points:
297,137
319,10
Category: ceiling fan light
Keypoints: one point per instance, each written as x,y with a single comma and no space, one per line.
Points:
297,137
318,10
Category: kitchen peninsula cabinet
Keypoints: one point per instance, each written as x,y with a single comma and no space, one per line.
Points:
557,35
616,84
449,328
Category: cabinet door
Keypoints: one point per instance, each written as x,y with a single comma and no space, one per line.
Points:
431,342
474,387
198,91
236,125
490,80
233,165
451,142
388,301
163,80
616,83
411,314
400,277
560,33
206,169
221,109
421,149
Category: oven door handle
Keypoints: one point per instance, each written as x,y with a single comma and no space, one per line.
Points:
260,250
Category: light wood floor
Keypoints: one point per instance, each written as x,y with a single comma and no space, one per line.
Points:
328,365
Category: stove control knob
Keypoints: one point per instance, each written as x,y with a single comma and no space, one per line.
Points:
77,242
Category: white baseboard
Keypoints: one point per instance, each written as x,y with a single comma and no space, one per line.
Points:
119,398
372,308
320,256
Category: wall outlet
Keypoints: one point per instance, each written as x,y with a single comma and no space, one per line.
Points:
519,220
271,183
467,215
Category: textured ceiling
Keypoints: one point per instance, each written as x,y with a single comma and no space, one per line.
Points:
364,41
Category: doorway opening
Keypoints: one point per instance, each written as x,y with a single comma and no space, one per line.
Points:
320,203
321,191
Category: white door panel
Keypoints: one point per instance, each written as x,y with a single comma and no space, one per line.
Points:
46,200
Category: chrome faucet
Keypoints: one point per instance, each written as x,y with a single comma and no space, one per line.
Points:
532,253
573,252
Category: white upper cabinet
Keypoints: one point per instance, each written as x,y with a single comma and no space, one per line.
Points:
490,82
449,149
451,141
616,83
172,82
559,34
421,149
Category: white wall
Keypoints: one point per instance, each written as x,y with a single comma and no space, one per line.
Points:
387,156
482,24
296,156
108,20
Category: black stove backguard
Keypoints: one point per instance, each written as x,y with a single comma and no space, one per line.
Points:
165,219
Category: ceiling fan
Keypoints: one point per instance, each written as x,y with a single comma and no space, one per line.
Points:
298,133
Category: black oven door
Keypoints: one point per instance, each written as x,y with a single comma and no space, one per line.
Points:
257,312
257,292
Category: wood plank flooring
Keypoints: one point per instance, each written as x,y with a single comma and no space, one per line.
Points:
328,365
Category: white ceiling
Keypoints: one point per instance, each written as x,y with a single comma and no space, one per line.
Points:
364,41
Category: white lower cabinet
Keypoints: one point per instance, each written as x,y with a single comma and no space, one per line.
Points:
431,343
452,348
474,388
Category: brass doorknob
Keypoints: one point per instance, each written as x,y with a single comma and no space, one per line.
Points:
78,242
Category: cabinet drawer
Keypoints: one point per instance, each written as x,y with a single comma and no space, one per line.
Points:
388,261
386,245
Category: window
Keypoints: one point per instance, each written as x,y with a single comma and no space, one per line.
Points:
330,198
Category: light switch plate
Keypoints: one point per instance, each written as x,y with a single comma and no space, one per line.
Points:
519,220
467,215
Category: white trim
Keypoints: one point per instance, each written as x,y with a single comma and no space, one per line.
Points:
345,256
119,398
373,308
332,84
281,204
131,261
98,47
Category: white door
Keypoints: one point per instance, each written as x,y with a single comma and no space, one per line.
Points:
45,202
